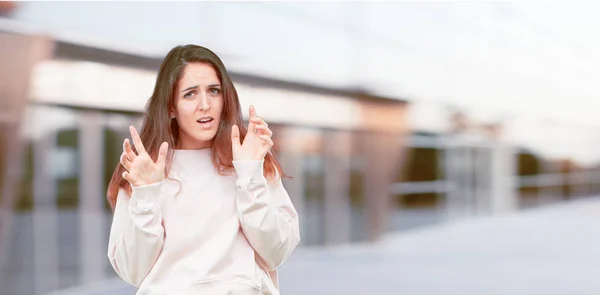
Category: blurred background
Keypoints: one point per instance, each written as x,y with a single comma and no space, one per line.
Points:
436,147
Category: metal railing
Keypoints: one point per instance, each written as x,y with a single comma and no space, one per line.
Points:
470,179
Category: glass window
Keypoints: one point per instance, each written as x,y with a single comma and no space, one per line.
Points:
45,207
358,218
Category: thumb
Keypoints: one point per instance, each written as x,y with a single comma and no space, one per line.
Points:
162,154
235,136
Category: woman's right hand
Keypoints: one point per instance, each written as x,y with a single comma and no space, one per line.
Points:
141,169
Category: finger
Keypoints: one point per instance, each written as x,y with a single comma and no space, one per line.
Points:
235,136
267,139
264,130
258,121
251,124
125,162
251,127
162,154
127,177
130,178
128,150
137,141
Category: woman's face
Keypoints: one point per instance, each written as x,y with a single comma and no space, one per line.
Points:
198,106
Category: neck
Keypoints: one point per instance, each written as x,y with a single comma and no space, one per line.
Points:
188,145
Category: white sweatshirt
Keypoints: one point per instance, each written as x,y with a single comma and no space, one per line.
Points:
212,234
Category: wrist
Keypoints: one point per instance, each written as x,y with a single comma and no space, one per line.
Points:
144,184
250,169
249,158
146,196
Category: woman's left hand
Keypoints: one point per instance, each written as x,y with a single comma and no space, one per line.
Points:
257,142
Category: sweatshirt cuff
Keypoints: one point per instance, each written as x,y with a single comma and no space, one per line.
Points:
147,196
248,172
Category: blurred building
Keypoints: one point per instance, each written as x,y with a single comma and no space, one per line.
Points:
69,108
365,158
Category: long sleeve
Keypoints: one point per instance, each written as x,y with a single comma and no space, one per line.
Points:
267,215
136,235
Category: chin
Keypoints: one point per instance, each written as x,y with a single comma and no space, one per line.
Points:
205,136
198,138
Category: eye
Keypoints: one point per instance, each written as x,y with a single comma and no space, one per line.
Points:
215,91
189,94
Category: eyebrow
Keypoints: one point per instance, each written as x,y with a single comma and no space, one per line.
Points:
196,87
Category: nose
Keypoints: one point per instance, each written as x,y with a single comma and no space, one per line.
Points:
204,103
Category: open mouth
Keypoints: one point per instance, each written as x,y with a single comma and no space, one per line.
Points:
205,120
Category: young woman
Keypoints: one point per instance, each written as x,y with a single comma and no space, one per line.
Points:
199,206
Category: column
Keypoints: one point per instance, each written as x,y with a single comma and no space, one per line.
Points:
501,187
337,149
19,56
483,167
92,235
382,163
290,158
45,213
451,173
505,191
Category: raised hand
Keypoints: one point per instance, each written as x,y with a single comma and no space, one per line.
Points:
141,169
257,142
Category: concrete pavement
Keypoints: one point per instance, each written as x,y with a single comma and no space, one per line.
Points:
554,250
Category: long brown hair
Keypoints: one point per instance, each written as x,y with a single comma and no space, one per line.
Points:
158,127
